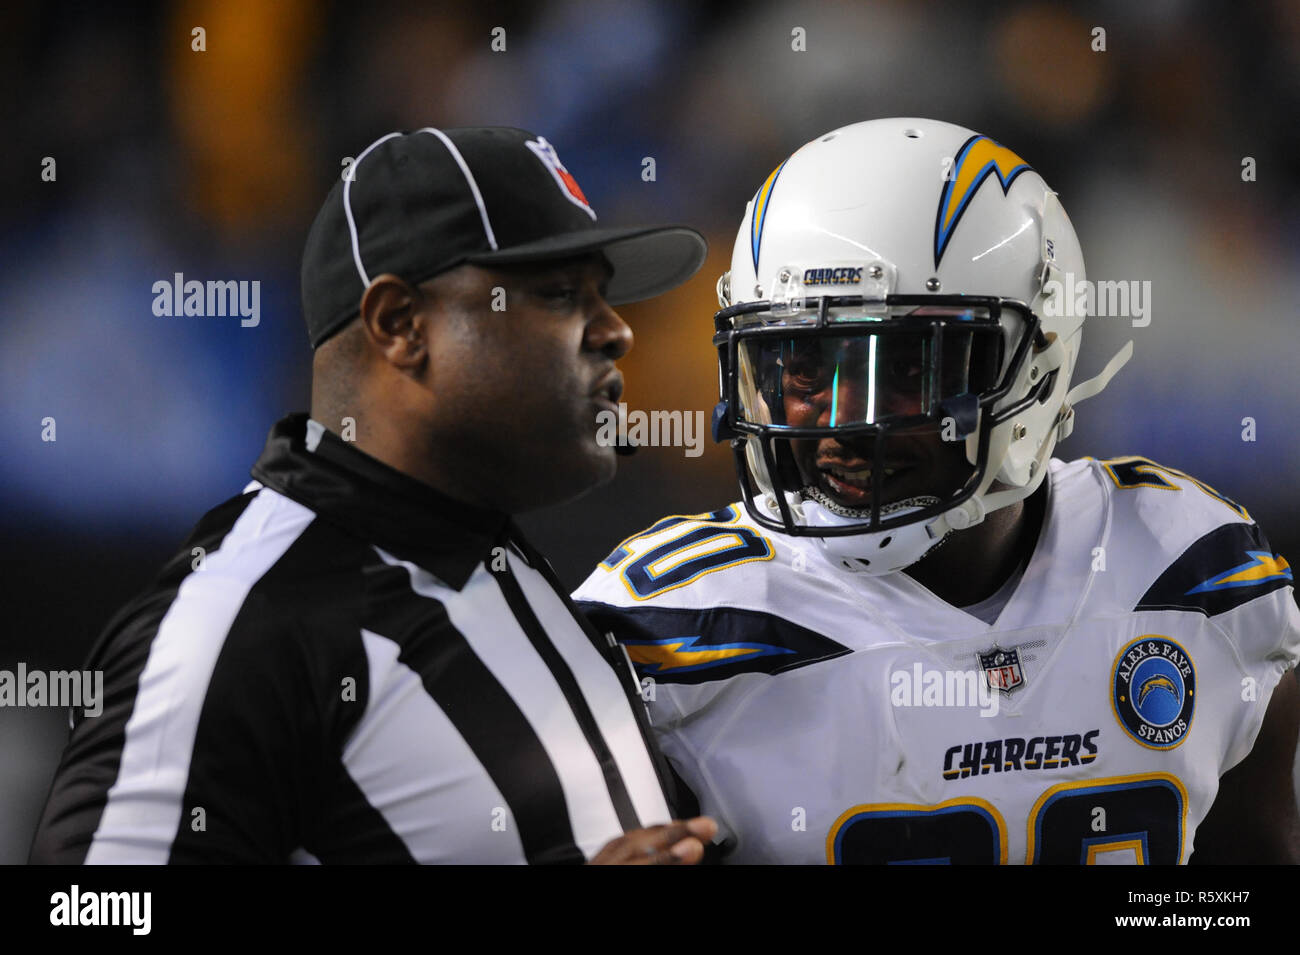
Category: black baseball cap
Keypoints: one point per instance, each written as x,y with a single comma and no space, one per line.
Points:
419,203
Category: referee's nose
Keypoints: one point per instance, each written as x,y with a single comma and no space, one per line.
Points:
607,333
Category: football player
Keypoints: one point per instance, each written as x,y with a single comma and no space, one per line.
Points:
919,637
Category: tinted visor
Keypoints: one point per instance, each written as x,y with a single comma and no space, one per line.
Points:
866,372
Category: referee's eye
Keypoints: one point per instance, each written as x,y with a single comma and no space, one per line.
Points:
558,296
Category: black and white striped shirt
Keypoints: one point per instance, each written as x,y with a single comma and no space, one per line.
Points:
361,670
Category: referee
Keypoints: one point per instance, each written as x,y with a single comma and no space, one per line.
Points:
359,659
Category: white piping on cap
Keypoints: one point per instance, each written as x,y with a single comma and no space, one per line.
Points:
464,168
469,177
347,208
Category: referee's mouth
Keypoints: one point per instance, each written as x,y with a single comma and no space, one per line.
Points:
608,390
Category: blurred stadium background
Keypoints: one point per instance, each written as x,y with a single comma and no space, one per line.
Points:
212,164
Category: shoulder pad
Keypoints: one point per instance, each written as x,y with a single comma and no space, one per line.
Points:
1214,556
1225,568
674,553
676,645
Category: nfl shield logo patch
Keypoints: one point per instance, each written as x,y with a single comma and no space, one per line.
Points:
563,178
1002,668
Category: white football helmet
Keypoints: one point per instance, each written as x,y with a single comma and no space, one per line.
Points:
896,284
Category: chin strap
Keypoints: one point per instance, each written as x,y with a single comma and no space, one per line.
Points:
972,512
977,508
1089,389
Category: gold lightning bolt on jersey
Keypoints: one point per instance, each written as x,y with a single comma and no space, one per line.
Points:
827,716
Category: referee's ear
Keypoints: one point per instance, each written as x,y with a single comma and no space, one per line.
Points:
395,325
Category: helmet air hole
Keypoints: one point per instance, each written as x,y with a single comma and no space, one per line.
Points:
912,133
885,542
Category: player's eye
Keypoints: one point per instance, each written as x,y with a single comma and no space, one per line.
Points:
804,373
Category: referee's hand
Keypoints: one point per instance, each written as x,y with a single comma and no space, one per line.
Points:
677,843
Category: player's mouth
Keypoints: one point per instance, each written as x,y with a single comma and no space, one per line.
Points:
854,485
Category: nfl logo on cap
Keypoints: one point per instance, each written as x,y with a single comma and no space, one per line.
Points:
568,185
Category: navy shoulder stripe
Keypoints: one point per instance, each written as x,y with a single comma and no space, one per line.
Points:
698,646
1229,566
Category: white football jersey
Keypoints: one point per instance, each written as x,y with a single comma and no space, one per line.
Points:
822,715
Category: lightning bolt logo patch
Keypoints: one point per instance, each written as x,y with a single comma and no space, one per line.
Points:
676,656
1198,580
1156,683
1261,567
695,646
979,158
